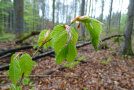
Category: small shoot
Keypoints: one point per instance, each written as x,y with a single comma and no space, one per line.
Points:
106,61
93,27
21,65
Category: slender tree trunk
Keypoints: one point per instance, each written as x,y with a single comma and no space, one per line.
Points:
127,44
19,17
89,7
67,14
2,18
33,15
120,15
95,8
11,18
109,16
43,14
75,8
92,8
102,9
63,14
82,31
53,12
58,12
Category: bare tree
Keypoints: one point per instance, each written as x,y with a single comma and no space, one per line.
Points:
127,44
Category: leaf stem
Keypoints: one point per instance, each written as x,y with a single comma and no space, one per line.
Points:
41,47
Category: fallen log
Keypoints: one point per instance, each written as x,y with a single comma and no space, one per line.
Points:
12,50
26,37
6,67
7,55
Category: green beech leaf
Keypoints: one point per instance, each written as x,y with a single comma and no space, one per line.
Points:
26,64
59,38
74,37
94,29
64,40
68,52
60,42
41,38
14,70
72,52
61,56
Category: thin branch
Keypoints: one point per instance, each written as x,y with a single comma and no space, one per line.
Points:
40,47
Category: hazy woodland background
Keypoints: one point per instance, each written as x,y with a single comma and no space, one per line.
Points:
37,15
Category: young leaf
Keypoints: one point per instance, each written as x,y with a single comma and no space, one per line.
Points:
94,28
61,56
64,39
26,64
60,42
59,38
26,81
44,37
72,52
14,70
74,35
68,52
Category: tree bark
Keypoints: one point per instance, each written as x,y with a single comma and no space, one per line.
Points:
109,16
127,44
19,17
82,31
120,14
102,9
53,12
43,13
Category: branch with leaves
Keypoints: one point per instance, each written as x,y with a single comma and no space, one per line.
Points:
62,39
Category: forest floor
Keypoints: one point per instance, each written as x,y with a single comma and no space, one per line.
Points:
97,74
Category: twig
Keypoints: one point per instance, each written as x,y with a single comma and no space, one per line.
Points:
41,47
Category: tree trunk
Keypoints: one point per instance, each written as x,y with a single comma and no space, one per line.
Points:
19,17
43,14
82,31
120,14
102,9
127,44
109,16
53,12
75,5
